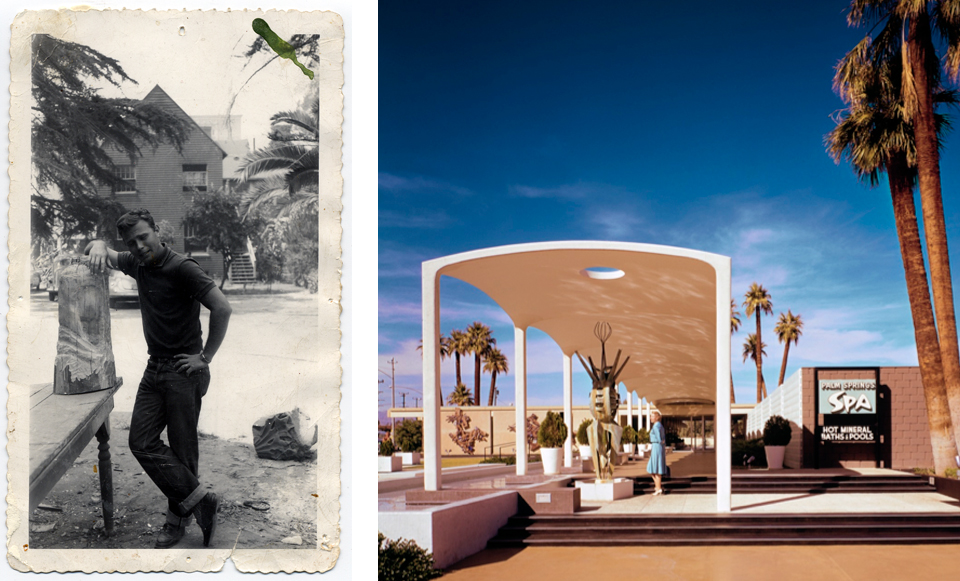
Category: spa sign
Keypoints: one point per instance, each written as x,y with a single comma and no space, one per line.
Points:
848,396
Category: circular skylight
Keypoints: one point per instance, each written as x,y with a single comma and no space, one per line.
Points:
602,272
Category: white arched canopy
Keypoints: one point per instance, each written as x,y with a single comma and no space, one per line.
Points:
668,307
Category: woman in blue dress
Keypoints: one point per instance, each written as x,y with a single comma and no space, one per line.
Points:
657,465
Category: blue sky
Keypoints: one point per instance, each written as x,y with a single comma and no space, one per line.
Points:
503,123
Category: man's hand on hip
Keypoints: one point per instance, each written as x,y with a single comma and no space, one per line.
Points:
190,364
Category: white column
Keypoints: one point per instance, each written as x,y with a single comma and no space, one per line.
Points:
722,420
520,376
646,417
629,406
431,380
568,409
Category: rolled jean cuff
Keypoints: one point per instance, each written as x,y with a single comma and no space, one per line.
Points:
191,501
176,520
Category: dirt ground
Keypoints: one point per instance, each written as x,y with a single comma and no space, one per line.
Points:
70,516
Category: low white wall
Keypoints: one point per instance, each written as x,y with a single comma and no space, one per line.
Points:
786,401
454,531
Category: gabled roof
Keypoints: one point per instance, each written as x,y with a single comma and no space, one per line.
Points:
158,96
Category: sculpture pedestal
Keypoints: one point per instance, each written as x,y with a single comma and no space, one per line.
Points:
611,490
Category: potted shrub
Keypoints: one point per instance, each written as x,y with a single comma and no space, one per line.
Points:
776,436
629,439
551,436
387,462
643,441
410,439
583,441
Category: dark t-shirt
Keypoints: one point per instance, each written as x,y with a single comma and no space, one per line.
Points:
169,295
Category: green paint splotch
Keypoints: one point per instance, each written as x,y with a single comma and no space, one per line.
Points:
280,46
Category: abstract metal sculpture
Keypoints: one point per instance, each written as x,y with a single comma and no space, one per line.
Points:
604,433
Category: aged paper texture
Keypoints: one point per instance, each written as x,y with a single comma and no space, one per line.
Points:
254,129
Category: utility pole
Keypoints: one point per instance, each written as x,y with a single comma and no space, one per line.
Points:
403,398
393,398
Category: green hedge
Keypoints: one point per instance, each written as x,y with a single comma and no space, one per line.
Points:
402,560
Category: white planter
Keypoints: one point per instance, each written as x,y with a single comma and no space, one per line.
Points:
584,452
409,458
551,460
389,464
628,448
775,456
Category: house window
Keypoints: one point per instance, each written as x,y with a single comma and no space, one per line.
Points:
195,177
128,173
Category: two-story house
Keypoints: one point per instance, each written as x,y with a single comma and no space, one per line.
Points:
164,180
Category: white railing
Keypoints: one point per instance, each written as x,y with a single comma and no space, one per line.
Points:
785,401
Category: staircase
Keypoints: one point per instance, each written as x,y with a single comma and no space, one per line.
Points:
241,269
586,528
727,529
793,484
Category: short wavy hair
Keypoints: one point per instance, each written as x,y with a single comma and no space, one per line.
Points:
130,219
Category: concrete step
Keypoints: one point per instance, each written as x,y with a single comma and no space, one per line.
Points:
712,529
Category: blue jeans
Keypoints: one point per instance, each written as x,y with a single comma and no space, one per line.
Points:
170,399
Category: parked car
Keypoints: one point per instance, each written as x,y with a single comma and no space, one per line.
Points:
123,289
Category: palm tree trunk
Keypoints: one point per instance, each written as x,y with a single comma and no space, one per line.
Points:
783,366
476,378
456,355
925,331
733,395
493,387
759,359
919,49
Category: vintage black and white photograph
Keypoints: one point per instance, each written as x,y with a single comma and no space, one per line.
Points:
174,367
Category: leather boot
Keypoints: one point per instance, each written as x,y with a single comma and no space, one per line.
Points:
206,515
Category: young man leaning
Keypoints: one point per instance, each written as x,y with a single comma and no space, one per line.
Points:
172,288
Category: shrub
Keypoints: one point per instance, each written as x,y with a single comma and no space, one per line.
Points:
582,437
743,450
950,473
776,432
508,460
643,436
552,432
629,436
925,471
402,560
386,448
410,435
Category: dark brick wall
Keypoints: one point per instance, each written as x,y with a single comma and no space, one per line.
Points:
906,442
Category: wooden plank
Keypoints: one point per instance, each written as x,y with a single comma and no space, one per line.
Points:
60,428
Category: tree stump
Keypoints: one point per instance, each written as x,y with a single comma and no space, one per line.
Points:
84,361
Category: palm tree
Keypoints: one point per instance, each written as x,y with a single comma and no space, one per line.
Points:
495,363
757,300
481,341
752,350
459,346
875,136
734,327
284,173
789,328
909,35
460,396
444,353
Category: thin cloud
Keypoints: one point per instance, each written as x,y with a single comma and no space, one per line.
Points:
435,219
399,184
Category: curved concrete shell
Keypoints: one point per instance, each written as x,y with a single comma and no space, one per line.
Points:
669,308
